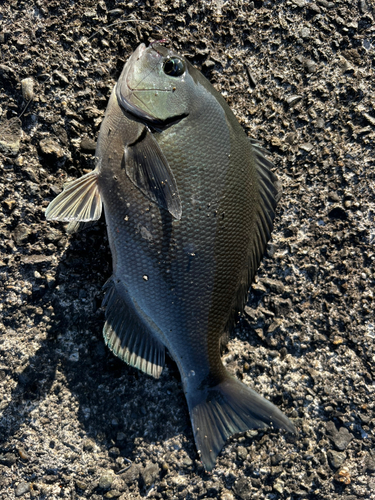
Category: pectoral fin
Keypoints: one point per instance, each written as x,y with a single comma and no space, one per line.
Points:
80,201
148,169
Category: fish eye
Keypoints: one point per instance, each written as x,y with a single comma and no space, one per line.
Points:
174,67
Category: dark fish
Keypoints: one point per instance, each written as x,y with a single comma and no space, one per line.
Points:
189,202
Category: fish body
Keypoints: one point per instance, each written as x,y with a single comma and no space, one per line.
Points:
189,201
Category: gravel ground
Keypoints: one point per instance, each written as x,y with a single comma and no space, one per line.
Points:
75,421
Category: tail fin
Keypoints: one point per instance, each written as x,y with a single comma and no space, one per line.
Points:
226,409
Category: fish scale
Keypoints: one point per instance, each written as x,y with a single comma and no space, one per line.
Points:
189,202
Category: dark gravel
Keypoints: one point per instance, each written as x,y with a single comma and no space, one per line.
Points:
77,423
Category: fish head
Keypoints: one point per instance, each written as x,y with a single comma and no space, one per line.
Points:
155,85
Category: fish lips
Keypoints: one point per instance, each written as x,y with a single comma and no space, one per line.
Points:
130,81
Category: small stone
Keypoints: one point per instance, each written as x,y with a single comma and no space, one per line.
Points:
336,458
88,145
10,202
114,451
8,459
226,495
115,12
7,75
120,436
275,286
88,444
21,234
363,6
22,488
27,86
292,100
112,494
278,486
370,464
314,8
307,146
61,77
309,66
341,438
81,484
276,459
369,118
106,480
131,475
241,453
10,136
305,33
23,454
343,476
49,147
242,488
208,64
276,141
187,461
149,473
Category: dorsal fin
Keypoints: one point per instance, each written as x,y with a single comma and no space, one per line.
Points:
269,195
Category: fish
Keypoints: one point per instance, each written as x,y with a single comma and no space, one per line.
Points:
189,202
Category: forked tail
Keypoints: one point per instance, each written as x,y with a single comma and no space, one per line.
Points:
225,409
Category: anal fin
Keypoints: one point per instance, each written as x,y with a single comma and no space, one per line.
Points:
129,336
80,201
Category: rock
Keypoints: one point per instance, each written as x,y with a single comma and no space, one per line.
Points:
278,486
106,480
242,488
309,66
340,438
7,75
21,234
149,473
208,64
241,452
88,145
226,495
8,459
131,475
88,444
292,100
21,489
81,484
336,458
112,494
27,86
22,453
307,146
49,147
275,286
10,136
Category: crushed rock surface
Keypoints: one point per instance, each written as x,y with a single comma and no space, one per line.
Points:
75,422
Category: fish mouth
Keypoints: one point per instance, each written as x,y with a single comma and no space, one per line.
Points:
129,89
